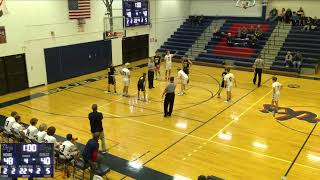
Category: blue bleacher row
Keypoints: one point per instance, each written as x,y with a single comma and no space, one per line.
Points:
186,35
307,42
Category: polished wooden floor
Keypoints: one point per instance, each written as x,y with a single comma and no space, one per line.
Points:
205,135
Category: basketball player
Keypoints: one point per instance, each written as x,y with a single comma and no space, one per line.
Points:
32,130
49,138
126,79
157,63
111,79
229,81
69,151
168,59
184,81
142,86
68,147
222,82
276,87
9,122
16,126
42,133
186,64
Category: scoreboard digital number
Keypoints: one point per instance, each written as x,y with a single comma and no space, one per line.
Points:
136,12
27,160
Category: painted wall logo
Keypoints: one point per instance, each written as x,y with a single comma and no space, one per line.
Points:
285,114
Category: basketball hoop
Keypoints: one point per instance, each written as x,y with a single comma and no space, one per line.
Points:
81,23
114,27
245,4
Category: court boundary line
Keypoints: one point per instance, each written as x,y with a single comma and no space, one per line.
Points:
202,124
300,150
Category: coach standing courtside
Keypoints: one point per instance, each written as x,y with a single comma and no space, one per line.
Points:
258,67
95,118
169,99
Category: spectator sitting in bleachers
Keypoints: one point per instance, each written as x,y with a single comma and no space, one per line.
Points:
41,133
239,33
200,20
288,15
230,40
252,42
295,19
282,15
300,12
49,138
297,60
244,32
251,31
215,32
288,59
315,24
259,33
9,122
273,15
308,24
32,130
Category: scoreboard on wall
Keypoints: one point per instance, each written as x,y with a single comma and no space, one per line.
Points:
136,12
27,160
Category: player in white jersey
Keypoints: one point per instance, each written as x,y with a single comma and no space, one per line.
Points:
68,147
183,79
41,133
229,82
9,122
32,130
168,60
49,138
125,72
16,126
276,87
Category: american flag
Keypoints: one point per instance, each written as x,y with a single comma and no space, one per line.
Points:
79,9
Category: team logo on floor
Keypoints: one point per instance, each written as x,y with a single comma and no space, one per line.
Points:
285,113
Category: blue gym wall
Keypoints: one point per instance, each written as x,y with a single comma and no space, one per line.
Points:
74,60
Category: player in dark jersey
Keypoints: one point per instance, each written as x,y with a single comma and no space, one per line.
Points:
222,82
111,78
142,86
186,64
157,62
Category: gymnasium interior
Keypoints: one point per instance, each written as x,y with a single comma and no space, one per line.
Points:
54,61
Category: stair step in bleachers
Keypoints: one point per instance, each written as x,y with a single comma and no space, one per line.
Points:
308,43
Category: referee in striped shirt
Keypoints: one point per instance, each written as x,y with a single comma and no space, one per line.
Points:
258,67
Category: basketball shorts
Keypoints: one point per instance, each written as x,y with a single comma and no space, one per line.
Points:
168,66
229,88
275,97
126,82
185,81
111,80
141,87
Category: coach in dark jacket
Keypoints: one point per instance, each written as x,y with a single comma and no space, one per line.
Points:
95,118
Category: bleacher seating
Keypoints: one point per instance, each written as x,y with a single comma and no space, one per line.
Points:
185,36
217,51
307,42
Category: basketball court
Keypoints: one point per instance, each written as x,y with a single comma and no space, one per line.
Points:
205,135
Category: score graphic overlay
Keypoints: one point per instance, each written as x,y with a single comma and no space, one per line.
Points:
27,160
136,12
